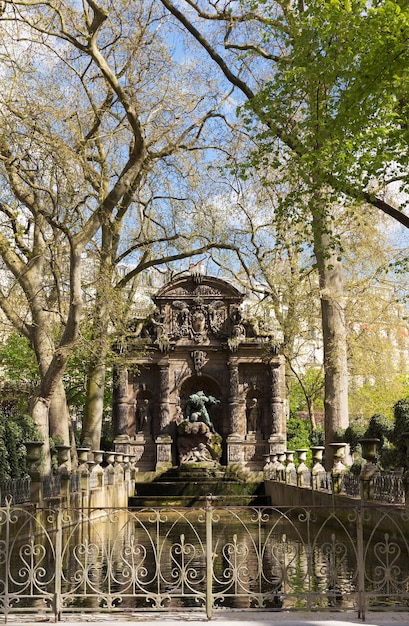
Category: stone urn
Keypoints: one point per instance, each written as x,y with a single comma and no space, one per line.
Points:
34,449
34,458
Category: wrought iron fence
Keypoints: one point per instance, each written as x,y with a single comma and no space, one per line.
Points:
350,484
389,488
207,558
75,483
16,488
52,485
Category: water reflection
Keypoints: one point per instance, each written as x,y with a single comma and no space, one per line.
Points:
256,558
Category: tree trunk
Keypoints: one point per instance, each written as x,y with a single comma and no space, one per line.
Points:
40,414
60,419
52,360
59,415
334,335
94,405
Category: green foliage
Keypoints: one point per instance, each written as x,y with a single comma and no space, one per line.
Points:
384,389
379,427
307,391
14,431
338,92
18,361
298,433
317,437
352,434
401,414
298,429
19,373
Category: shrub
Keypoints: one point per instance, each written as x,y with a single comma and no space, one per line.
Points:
14,431
401,415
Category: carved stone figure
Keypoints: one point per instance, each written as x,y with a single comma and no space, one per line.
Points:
196,410
181,318
253,416
199,454
154,325
198,321
199,360
143,417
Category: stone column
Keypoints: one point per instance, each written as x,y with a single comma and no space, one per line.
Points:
276,400
164,407
234,399
235,452
120,403
277,438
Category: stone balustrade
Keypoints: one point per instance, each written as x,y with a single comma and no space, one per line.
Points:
101,476
370,484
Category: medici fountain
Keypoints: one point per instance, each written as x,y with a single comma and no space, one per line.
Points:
203,390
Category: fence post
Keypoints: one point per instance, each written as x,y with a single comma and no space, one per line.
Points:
58,567
361,564
209,558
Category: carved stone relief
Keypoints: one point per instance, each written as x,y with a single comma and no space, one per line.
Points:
234,452
249,452
199,360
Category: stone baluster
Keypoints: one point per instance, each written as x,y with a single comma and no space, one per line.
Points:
63,459
127,472
118,467
267,468
370,469
83,469
280,467
98,469
302,468
290,471
274,465
109,470
318,469
338,468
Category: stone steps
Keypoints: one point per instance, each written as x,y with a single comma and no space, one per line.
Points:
188,486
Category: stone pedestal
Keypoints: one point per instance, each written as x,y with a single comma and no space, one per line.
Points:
121,444
163,452
234,450
143,451
255,449
277,444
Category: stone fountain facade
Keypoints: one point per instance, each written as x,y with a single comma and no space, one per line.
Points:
197,340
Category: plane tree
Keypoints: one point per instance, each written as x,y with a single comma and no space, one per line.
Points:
91,102
321,86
